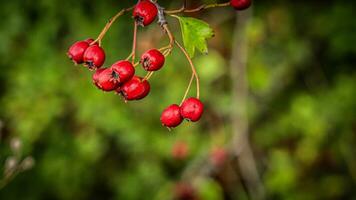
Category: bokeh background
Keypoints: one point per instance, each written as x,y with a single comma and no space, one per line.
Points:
278,83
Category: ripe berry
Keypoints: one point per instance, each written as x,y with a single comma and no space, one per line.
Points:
218,157
240,4
135,89
171,116
152,60
107,79
192,109
180,150
185,191
96,77
76,51
94,57
145,12
124,70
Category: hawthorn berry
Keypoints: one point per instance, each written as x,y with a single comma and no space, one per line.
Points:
124,69
185,191
145,12
171,116
76,51
218,157
240,4
106,79
152,60
135,89
94,57
180,150
96,77
192,109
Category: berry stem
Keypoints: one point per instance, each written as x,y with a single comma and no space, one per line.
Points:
148,76
168,49
134,43
184,9
187,90
109,24
191,65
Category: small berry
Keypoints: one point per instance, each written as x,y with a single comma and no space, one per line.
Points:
152,60
240,4
180,150
218,157
192,109
185,191
76,51
96,77
135,89
171,117
107,80
124,70
94,57
145,12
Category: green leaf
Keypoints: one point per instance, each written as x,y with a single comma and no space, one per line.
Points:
195,33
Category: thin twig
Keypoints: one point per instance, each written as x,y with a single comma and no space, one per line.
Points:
183,9
134,43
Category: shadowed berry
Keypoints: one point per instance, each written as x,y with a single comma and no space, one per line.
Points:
240,4
171,117
124,70
135,89
94,57
145,12
152,60
192,109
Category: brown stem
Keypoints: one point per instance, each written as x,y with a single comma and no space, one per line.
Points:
134,43
183,9
187,90
191,65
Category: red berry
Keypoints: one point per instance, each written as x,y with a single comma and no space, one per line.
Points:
76,51
240,4
185,191
96,77
180,150
192,109
94,57
145,12
124,70
135,89
171,116
107,80
218,157
152,60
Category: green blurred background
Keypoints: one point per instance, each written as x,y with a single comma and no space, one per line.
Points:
294,102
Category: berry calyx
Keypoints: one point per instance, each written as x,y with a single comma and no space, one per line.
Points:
106,79
94,57
124,69
152,60
76,51
171,116
240,4
135,89
145,12
192,109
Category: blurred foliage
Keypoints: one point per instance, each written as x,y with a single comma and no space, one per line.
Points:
91,145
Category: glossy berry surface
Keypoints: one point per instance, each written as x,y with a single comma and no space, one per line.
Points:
152,60
145,12
76,51
192,109
94,57
96,77
107,80
135,89
124,69
240,4
171,117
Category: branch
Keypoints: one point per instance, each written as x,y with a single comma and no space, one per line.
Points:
184,9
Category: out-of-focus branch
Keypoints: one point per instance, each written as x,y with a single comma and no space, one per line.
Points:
240,147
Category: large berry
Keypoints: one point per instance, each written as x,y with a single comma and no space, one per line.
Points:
96,77
76,51
145,12
152,60
107,80
135,89
94,57
171,116
240,4
192,109
124,70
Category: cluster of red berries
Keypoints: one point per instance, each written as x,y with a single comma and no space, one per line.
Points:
121,78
